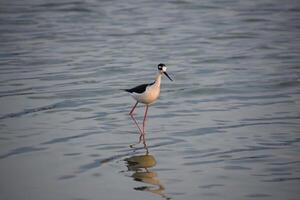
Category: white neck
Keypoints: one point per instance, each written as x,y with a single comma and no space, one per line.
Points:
157,80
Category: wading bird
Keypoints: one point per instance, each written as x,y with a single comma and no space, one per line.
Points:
147,93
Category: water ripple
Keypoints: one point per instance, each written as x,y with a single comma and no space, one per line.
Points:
231,114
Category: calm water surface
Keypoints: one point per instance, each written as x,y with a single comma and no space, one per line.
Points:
226,128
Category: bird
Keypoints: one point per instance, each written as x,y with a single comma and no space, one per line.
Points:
148,93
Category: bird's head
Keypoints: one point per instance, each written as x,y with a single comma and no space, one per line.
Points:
162,68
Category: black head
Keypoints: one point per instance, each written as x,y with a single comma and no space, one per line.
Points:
160,66
163,69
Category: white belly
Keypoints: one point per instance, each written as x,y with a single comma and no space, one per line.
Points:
149,96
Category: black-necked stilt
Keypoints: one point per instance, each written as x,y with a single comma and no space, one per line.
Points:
148,93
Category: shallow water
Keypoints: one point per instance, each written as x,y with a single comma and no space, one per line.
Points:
226,128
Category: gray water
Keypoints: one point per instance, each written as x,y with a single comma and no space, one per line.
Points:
226,128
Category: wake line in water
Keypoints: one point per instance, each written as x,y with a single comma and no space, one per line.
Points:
63,104
28,111
22,150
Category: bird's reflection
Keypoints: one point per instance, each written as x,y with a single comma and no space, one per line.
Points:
139,166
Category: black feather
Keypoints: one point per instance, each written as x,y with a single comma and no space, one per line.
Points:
139,89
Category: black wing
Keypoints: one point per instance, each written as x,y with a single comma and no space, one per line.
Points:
139,89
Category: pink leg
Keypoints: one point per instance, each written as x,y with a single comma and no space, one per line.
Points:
133,108
141,132
132,117
145,119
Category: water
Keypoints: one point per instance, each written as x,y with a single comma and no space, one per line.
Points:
226,128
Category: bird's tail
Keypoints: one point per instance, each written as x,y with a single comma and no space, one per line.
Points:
125,90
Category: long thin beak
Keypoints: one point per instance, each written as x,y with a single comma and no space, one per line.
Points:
167,75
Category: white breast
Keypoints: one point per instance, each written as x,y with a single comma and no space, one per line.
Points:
149,96
151,93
